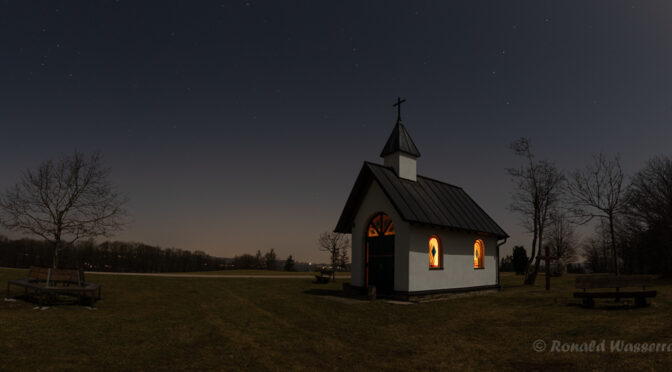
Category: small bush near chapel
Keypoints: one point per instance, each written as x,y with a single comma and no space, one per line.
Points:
519,259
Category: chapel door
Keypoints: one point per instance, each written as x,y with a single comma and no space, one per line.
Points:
380,253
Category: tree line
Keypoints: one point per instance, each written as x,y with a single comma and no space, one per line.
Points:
115,256
633,220
107,256
265,261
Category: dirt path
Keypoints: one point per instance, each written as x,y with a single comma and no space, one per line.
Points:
231,276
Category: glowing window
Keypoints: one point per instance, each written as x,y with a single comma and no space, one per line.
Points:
479,252
381,224
435,253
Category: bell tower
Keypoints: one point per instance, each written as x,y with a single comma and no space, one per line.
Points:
400,152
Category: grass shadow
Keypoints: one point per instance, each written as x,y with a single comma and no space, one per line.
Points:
54,300
609,305
325,292
335,294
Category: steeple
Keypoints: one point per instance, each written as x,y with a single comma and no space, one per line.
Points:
400,141
400,152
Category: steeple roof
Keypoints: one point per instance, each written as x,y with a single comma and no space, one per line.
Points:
401,141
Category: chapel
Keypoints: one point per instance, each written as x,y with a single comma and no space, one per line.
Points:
413,234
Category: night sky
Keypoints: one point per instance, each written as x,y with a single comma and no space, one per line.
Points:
241,125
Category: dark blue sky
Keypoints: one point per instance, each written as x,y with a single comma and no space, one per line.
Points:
237,126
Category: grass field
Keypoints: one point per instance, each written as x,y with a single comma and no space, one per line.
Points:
260,272
237,273
156,323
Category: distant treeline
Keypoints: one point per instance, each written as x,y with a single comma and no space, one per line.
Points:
269,261
107,256
128,257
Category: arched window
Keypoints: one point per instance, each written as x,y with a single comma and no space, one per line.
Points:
479,253
435,253
381,224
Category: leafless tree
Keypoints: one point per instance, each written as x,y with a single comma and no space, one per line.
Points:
343,259
538,185
591,252
598,191
271,260
561,239
650,193
334,244
63,201
649,218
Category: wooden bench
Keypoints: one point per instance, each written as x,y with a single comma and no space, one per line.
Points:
48,282
596,282
325,275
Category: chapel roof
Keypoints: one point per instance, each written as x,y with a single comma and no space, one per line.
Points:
425,201
400,140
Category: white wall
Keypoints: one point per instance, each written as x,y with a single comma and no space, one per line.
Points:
375,202
458,260
404,165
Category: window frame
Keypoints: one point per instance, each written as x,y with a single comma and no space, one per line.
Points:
439,253
481,256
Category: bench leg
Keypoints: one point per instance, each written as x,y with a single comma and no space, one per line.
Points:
588,302
640,301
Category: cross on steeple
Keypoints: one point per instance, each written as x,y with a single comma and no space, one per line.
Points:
398,105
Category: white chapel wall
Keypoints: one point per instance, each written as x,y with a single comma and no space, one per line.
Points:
376,201
458,260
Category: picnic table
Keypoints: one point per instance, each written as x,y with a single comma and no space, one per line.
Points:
48,283
325,275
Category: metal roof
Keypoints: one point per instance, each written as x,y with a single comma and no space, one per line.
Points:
400,140
426,201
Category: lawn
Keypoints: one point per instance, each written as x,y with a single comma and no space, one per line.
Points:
158,323
259,272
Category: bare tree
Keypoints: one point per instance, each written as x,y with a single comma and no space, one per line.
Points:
561,239
650,193
63,201
335,244
271,260
343,259
260,264
538,189
591,253
649,218
597,191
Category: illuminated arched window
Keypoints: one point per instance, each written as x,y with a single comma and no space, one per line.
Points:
435,254
479,253
381,224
